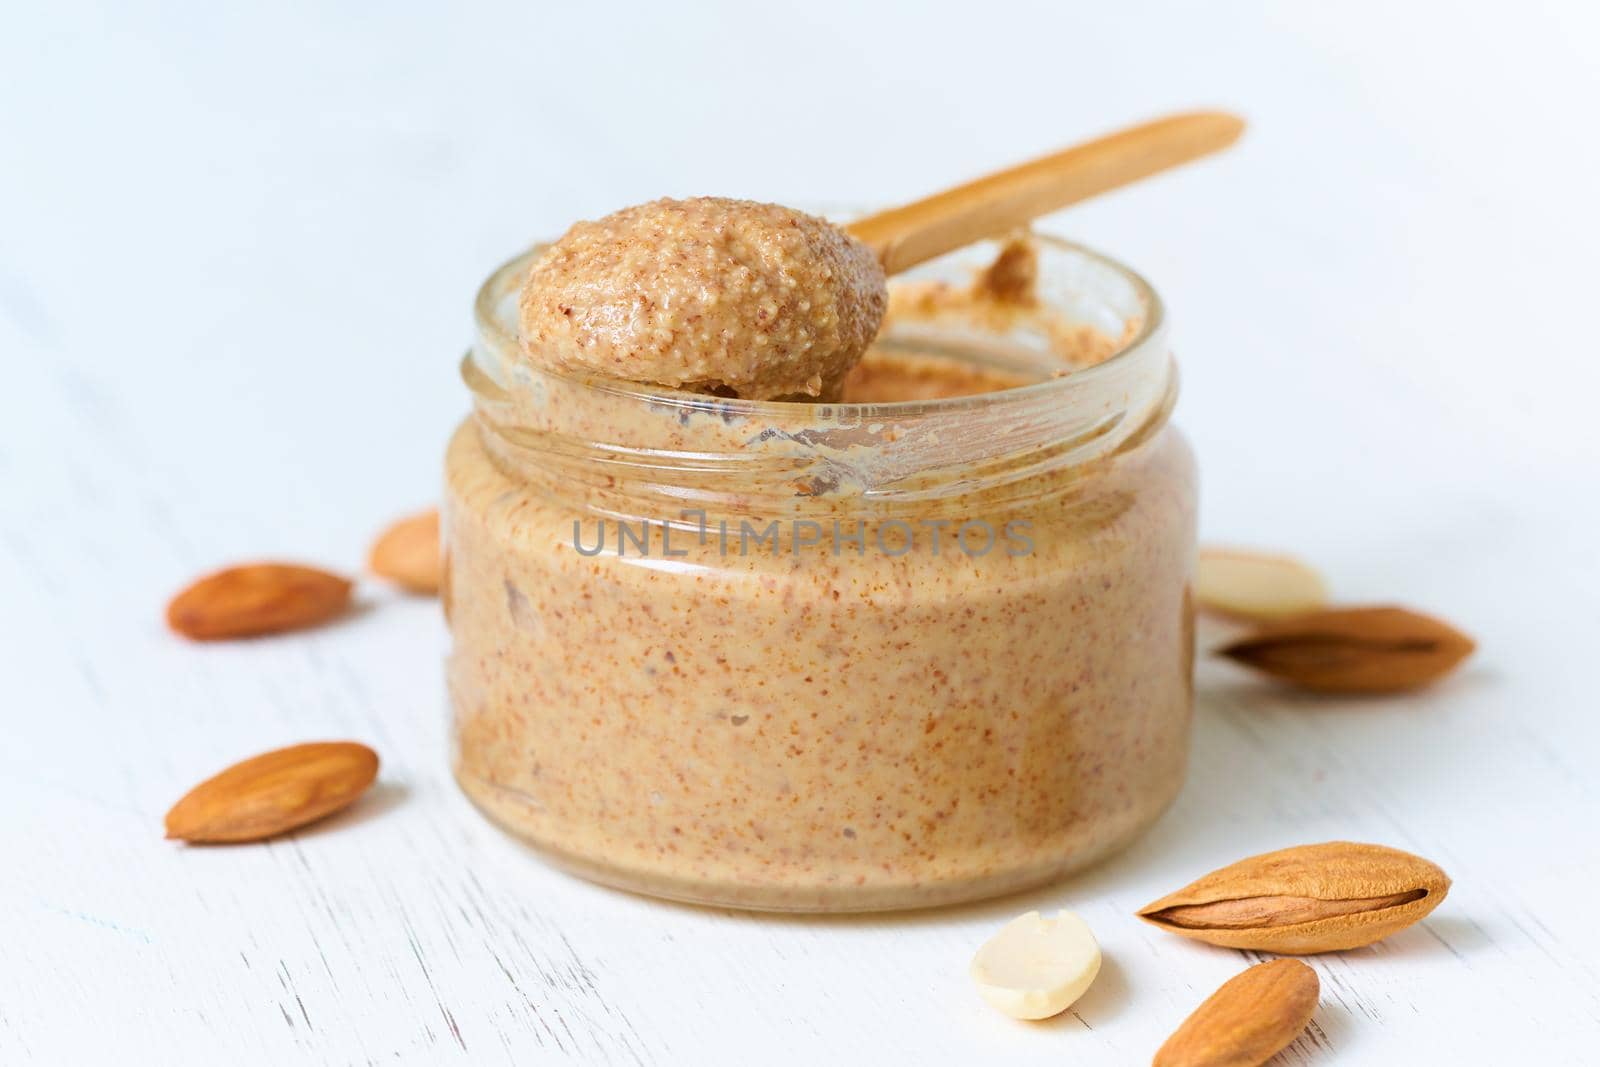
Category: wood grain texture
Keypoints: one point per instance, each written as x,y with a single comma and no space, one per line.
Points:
267,370
1008,199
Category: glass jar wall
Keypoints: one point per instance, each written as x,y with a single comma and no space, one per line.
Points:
877,654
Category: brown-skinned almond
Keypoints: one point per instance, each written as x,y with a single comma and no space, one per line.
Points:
1353,650
407,553
256,599
273,793
1312,898
1248,1020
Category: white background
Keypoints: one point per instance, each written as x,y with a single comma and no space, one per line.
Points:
236,256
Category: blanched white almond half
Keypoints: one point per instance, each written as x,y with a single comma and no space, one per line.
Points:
1257,586
1036,967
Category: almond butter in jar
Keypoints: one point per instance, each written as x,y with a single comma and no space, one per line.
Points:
929,644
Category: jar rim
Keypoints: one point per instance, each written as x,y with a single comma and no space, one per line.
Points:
1151,326
638,444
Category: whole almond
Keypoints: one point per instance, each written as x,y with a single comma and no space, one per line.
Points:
256,599
1255,586
1353,650
274,792
407,553
1248,1020
1297,901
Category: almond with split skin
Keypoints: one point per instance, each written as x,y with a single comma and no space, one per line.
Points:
1353,650
407,553
274,793
257,599
1256,586
1248,1020
1297,901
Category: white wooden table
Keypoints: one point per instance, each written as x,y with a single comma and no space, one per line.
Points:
236,254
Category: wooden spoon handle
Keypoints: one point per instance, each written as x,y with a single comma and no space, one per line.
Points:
993,205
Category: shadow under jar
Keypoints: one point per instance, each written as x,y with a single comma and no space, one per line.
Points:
831,657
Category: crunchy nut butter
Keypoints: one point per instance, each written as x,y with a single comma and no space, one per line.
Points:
927,644
710,295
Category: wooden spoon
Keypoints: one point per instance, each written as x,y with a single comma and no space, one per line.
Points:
998,203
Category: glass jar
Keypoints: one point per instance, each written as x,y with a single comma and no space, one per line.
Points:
830,657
